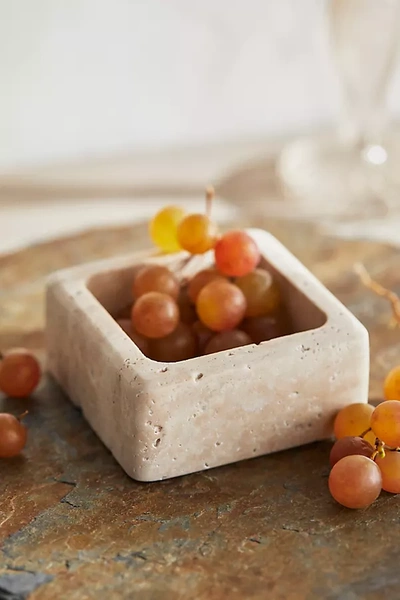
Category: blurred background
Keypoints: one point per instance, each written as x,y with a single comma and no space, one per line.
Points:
114,98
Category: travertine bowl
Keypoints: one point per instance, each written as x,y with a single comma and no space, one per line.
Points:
163,420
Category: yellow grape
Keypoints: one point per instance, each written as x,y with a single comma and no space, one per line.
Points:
385,422
163,228
221,305
391,386
353,420
197,234
355,481
262,293
390,470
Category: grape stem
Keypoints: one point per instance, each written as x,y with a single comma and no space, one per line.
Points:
378,289
364,433
23,415
210,194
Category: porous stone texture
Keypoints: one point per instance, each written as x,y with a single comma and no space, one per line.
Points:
162,420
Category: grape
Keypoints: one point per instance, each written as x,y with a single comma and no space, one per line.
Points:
203,334
349,445
13,436
141,342
261,329
163,228
236,254
262,293
186,309
353,420
391,386
385,422
155,278
181,344
19,373
355,481
227,340
197,234
221,305
155,315
200,280
390,470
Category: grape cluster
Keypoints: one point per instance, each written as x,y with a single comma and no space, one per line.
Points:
20,374
365,459
231,304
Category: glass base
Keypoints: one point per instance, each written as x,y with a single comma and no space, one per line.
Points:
329,178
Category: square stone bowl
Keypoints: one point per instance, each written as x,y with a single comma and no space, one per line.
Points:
162,420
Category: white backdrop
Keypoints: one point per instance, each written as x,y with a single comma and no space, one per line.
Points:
81,77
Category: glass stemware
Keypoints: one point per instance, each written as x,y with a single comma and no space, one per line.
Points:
356,171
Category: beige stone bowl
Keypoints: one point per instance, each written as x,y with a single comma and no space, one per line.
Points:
162,420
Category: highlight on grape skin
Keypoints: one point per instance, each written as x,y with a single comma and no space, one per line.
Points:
355,481
353,420
20,373
155,315
163,228
236,254
221,305
155,278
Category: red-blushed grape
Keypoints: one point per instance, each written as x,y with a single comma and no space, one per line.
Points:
19,373
13,435
155,278
197,234
181,344
221,305
385,422
353,420
227,340
349,445
261,329
201,279
163,228
390,470
155,315
355,481
186,309
262,293
236,254
141,342
203,334
391,386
